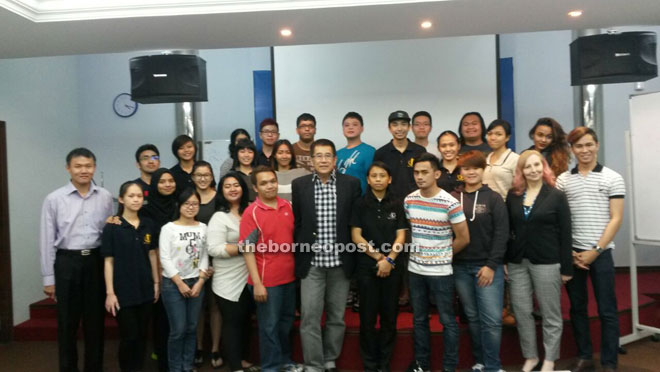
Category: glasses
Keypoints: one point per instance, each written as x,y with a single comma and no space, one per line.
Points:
323,156
270,132
191,205
205,176
150,157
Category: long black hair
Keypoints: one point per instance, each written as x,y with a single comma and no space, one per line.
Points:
182,198
203,163
481,121
222,204
276,146
123,189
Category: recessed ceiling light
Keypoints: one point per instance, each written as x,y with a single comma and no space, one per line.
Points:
286,32
575,13
426,24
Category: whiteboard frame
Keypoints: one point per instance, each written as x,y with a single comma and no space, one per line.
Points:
639,330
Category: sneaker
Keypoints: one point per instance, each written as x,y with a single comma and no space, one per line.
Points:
199,358
415,367
293,368
478,367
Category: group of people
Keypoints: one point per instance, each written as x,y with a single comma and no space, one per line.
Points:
291,225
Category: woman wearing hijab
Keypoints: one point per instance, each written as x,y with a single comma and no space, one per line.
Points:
159,207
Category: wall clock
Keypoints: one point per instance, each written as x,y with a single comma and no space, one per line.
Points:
124,106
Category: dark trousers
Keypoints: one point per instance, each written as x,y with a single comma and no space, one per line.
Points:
601,272
378,296
133,322
80,292
161,332
236,328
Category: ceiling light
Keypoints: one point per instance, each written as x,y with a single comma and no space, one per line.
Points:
575,13
286,32
426,24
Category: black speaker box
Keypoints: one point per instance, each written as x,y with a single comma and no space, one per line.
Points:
168,78
614,58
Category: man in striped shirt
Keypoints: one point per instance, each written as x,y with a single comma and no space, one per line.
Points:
595,195
434,215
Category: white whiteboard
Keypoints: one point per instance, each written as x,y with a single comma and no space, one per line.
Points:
215,152
645,154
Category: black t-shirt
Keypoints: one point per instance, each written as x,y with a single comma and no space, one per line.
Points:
182,178
449,181
262,159
130,247
206,211
379,221
401,165
144,185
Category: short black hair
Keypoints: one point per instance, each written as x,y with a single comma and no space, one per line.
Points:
260,169
80,151
244,144
423,113
481,121
143,148
179,141
353,115
305,117
232,139
322,142
500,123
427,156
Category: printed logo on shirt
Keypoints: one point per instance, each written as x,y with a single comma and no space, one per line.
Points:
391,216
460,178
411,162
480,209
348,162
147,239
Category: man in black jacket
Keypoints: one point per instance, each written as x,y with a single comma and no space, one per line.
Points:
322,204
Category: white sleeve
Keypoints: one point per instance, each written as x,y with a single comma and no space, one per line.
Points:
216,237
165,245
204,262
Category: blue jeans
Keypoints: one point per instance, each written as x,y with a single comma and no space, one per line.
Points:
483,308
182,314
275,317
442,289
601,272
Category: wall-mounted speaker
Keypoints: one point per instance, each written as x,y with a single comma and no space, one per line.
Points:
168,78
614,58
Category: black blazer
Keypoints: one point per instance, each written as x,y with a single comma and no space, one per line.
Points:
545,237
304,211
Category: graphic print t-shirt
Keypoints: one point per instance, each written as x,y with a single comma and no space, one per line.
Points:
183,250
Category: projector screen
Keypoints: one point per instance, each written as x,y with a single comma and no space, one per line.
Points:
444,76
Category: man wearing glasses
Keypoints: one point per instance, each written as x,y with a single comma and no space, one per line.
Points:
322,204
421,127
269,132
147,160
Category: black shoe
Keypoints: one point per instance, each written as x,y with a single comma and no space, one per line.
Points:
333,369
199,358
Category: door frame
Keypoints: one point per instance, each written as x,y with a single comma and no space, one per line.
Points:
6,304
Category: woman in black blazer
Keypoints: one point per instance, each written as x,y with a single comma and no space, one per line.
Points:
539,255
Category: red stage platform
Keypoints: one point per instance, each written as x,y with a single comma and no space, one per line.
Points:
42,326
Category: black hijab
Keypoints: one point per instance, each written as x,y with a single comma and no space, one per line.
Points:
160,208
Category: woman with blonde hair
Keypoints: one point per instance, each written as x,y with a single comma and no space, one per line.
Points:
539,255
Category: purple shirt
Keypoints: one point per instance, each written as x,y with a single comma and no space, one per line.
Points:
71,221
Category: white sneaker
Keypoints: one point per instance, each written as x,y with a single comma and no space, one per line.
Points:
478,367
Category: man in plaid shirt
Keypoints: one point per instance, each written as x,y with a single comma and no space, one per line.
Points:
322,204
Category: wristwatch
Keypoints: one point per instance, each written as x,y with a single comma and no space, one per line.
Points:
599,249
